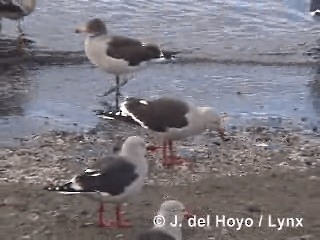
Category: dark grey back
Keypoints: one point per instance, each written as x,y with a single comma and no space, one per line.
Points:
8,6
113,178
160,114
131,50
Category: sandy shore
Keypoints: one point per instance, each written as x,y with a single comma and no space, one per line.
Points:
260,171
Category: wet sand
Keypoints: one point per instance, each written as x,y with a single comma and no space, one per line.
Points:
259,171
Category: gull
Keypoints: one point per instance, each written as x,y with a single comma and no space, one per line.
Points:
118,55
171,119
113,180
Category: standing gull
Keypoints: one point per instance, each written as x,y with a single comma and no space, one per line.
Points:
172,119
118,55
116,179
16,10
173,212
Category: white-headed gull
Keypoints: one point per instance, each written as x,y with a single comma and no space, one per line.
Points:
118,55
115,180
172,119
173,212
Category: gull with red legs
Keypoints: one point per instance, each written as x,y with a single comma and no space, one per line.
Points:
113,180
171,119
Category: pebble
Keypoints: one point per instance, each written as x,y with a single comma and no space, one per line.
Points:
314,178
254,207
33,217
304,237
26,237
60,141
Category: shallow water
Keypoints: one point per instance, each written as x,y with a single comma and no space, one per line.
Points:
233,29
271,77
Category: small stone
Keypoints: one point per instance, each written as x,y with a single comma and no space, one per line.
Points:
33,217
314,178
304,237
146,203
88,224
253,207
304,119
60,141
283,164
26,237
308,162
84,212
47,232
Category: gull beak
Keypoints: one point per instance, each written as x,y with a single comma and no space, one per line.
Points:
187,215
81,30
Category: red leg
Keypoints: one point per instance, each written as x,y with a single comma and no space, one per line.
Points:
173,159
152,148
102,222
121,223
164,154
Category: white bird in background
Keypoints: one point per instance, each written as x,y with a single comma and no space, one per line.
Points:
172,211
16,10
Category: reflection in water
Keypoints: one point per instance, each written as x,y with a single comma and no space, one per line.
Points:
13,90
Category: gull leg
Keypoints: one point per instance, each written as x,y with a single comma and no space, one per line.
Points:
117,92
121,223
113,89
173,159
19,28
221,133
164,154
153,148
102,222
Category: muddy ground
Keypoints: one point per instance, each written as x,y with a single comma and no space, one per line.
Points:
260,171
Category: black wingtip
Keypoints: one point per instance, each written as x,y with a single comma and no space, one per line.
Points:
170,54
51,188
116,115
60,188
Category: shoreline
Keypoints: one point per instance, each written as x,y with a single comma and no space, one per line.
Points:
258,171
